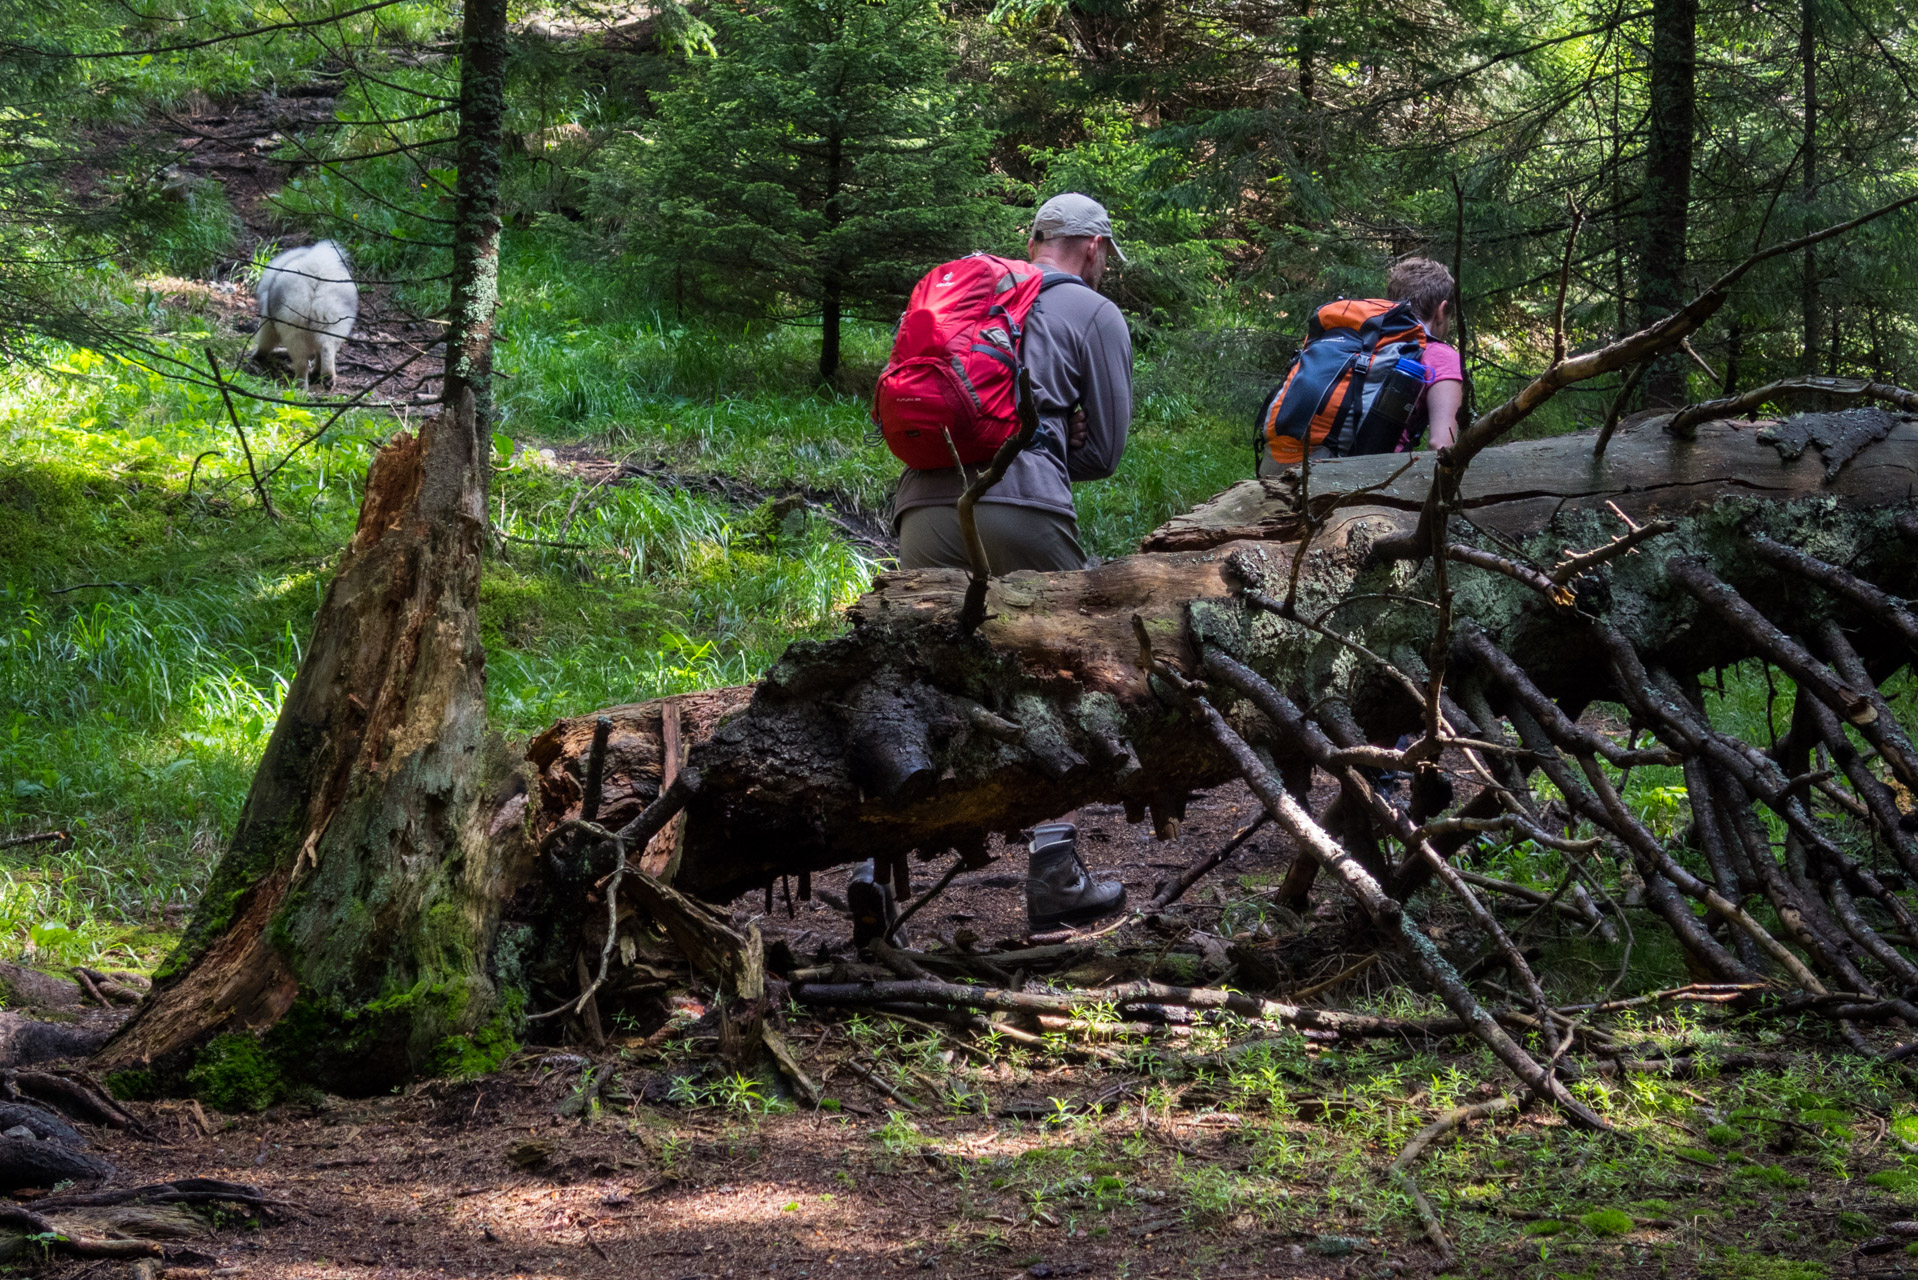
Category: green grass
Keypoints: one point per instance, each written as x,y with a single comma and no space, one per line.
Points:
1506,1191
587,364
147,635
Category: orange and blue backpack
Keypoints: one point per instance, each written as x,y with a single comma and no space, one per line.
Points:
1331,396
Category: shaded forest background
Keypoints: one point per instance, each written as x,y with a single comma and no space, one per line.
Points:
712,215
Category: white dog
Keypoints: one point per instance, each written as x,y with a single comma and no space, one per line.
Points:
308,303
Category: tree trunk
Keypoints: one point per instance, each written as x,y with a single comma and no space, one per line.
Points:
830,306
1045,708
352,920
833,292
1308,73
1668,185
1808,145
1553,579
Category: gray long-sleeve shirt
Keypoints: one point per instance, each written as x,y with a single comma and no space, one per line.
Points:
1079,353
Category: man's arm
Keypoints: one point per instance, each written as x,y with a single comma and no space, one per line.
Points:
1106,399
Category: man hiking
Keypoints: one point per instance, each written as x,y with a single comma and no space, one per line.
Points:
945,392
1373,376
1079,353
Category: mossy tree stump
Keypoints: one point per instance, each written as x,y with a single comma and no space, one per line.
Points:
351,924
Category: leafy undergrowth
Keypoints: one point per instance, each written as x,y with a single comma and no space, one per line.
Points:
151,616
1285,1148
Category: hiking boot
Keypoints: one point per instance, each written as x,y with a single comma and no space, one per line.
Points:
871,904
1058,888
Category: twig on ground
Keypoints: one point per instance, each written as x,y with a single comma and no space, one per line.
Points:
958,865
1457,1116
1401,1170
1429,1219
1175,888
1343,975
878,1082
38,837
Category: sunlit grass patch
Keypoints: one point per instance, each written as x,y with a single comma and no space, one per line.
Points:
148,633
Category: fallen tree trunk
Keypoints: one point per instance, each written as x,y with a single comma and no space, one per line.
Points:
1554,577
903,736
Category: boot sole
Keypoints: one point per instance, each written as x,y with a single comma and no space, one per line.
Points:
1078,915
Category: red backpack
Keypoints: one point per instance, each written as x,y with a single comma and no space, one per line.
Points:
954,370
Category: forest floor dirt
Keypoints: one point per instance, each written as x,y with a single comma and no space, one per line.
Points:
579,1163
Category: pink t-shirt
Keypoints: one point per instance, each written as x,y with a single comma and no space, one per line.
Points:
1442,364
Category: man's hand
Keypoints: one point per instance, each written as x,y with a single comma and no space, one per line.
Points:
1076,431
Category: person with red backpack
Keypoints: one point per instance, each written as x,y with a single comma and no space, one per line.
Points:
950,385
1373,376
949,390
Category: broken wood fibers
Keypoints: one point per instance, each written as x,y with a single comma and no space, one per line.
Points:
661,859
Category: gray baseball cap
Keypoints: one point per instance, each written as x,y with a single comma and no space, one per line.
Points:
1074,215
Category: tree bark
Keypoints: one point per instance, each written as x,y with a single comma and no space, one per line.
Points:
1808,146
831,306
353,918
1045,708
1668,185
832,293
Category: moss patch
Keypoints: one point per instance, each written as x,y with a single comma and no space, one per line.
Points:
1737,1264
1773,1175
137,1085
237,1073
476,1055
1607,1222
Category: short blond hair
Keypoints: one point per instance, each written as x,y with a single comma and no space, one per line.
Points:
1422,282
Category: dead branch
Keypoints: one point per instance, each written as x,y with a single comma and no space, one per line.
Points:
1687,419
38,837
958,865
1772,643
259,486
974,611
1624,396
996,1000
1632,348
1552,590
1175,888
1453,1119
1584,562
1401,1170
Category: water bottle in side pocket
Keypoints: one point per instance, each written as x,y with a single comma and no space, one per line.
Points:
1392,410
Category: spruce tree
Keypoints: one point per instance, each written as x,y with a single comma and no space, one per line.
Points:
819,165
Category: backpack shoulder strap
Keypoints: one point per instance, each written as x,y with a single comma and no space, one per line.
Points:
1049,276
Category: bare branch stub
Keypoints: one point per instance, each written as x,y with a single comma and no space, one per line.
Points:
974,611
